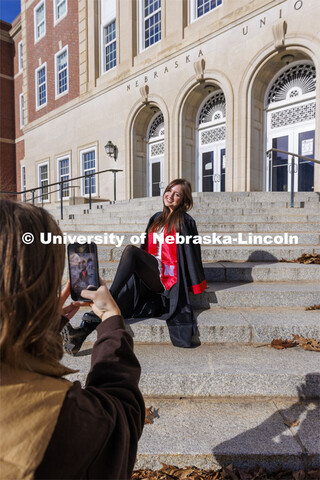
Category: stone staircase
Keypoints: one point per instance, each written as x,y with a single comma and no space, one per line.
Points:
233,398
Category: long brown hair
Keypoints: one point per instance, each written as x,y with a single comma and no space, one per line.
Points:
30,280
174,219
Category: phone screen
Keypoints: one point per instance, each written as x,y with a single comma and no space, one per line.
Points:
83,268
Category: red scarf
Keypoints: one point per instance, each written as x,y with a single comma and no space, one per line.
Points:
168,257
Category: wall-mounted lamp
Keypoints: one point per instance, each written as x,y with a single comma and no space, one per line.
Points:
111,150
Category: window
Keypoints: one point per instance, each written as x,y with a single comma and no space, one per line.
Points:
110,46
39,21
60,9
61,64
43,175
21,109
20,57
201,7
23,182
88,165
41,86
151,28
64,174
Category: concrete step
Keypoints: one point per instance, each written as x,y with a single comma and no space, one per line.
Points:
138,228
217,209
258,294
241,272
242,432
218,371
250,326
210,217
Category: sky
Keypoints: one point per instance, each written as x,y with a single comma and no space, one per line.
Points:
9,9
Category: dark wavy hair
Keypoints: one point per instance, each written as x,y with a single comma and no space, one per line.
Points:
30,285
174,219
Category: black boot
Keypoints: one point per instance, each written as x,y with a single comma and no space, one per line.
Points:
74,337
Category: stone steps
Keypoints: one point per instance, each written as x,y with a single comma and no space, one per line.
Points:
218,371
225,400
241,272
245,325
219,253
283,217
207,227
242,431
258,294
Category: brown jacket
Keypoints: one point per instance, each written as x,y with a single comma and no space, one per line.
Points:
98,427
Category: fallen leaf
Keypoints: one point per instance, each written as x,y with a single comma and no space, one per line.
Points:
306,258
313,307
307,343
149,416
291,424
281,344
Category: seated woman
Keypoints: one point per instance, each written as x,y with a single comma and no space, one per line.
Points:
51,428
155,280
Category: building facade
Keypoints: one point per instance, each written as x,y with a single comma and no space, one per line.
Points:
200,89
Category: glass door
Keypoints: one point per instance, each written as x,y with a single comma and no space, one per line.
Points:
156,177
279,167
212,165
304,167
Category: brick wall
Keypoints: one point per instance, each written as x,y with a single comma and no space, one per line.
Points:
65,32
7,133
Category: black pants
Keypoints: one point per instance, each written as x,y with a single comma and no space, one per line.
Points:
133,260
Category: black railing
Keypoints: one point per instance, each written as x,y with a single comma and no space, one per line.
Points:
289,164
44,190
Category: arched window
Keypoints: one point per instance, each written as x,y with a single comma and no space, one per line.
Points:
155,156
290,112
212,144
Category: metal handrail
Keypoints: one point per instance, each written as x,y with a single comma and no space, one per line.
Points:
61,188
293,155
292,167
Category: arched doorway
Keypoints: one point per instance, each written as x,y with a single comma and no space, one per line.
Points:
148,151
155,156
211,139
290,106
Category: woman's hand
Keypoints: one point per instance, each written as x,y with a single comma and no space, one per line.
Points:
103,304
70,310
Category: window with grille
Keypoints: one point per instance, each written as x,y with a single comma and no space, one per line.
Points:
23,182
110,46
60,9
64,174
41,87
204,6
21,108
62,71
88,167
20,56
43,181
39,21
151,13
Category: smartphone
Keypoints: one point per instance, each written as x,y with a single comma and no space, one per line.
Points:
83,269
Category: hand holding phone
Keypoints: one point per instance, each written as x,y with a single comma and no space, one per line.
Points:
103,303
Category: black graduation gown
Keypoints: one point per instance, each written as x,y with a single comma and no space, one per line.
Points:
136,300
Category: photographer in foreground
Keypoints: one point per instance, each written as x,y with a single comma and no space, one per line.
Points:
51,428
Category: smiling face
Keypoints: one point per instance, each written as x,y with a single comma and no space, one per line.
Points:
173,197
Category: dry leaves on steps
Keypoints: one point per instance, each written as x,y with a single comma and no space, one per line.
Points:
291,424
150,415
307,343
281,344
306,258
313,307
170,472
